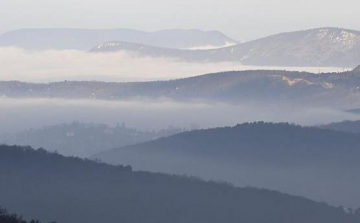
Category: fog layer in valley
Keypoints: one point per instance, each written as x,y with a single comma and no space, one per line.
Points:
47,66
20,114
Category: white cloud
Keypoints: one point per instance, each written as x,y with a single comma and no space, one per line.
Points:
18,114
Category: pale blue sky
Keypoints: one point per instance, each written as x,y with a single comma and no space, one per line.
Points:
240,19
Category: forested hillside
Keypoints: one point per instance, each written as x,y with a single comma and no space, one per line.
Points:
328,89
49,186
306,161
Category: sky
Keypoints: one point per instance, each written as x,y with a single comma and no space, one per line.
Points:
240,19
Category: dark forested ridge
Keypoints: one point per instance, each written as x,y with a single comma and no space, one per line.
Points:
49,186
326,88
83,140
306,161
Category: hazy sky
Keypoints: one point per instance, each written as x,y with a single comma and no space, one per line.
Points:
240,19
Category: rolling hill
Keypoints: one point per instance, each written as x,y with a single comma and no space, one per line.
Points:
50,186
316,163
330,89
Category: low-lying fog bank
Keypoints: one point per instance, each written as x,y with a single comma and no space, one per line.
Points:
19,114
51,65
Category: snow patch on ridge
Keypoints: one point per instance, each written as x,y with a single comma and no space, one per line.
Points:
292,82
338,36
109,44
212,47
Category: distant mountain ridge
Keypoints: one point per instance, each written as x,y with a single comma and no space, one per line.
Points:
316,47
305,161
85,39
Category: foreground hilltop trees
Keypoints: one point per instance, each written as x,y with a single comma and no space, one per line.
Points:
5,217
49,186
